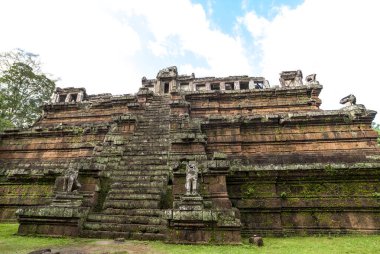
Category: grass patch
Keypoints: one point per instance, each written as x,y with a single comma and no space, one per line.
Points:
12,243
287,245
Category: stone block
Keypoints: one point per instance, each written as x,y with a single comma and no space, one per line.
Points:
256,240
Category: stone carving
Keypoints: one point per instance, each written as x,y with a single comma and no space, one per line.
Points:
68,95
266,84
291,78
349,100
256,240
70,181
169,72
191,179
311,79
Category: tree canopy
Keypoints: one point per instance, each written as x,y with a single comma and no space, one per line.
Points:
23,88
376,127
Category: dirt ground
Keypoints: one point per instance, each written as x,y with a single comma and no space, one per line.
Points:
108,247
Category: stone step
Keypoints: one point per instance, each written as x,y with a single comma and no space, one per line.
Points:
122,171
122,219
154,118
139,161
144,158
141,178
149,176
132,204
127,182
153,146
156,143
133,196
131,185
142,228
126,235
151,126
143,151
147,136
156,115
134,212
147,139
146,162
148,142
135,191
151,133
153,169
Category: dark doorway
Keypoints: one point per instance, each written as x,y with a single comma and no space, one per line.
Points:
73,97
215,86
166,88
244,85
62,98
229,86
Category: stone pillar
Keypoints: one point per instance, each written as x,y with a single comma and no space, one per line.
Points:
236,85
178,105
207,86
196,220
251,84
222,85
144,95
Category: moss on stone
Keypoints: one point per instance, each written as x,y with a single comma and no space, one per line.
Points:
167,198
248,190
102,194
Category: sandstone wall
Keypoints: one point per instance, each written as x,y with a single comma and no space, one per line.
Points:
68,136
296,169
307,199
254,102
324,137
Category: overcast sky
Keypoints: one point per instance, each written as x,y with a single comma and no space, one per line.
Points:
109,45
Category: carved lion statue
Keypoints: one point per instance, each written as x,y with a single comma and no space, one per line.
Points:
169,72
349,100
70,181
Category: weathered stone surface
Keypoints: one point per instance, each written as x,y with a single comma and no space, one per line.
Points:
42,251
256,240
270,152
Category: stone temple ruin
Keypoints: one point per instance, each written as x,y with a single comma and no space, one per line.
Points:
194,160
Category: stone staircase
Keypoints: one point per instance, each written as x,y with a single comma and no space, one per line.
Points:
132,208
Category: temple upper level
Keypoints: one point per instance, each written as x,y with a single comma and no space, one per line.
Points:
168,80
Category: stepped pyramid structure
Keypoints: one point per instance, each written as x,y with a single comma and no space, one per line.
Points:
268,161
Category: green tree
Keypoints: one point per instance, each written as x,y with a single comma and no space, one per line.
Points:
376,127
23,88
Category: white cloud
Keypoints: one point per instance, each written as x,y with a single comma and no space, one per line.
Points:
76,40
107,46
189,25
338,40
244,4
97,44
